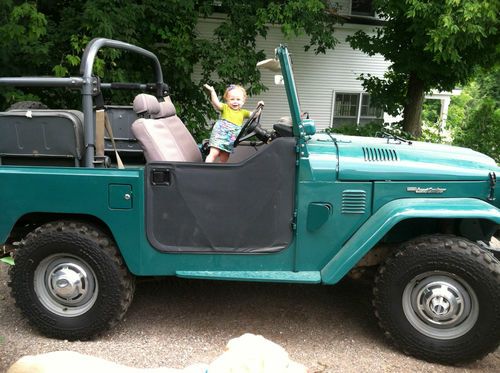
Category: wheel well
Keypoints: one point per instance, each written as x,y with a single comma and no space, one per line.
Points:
472,229
31,221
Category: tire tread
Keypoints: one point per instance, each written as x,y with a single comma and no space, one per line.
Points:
66,230
433,247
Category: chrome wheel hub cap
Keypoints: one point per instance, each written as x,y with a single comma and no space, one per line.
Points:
68,282
65,285
440,302
440,305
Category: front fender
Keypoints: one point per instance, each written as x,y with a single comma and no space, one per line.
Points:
392,213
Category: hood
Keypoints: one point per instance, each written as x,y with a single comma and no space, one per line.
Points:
367,158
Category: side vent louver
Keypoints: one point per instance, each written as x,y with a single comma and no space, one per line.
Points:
380,155
353,202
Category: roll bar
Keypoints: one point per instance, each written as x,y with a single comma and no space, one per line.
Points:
74,82
96,44
90,85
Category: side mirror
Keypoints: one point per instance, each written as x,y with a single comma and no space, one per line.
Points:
308,127
270,64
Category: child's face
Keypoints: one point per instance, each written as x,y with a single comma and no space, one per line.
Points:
235,99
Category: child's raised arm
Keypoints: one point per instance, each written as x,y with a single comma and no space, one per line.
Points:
213,97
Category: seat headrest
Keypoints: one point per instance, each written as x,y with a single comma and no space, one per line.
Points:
146,104
167,108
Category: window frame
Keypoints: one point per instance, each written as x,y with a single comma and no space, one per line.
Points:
358,116
356,107
372,14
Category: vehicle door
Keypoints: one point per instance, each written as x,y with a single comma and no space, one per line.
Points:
244,207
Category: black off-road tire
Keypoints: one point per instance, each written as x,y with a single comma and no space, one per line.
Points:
438,299
70,281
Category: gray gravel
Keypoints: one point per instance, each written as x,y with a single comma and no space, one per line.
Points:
178,323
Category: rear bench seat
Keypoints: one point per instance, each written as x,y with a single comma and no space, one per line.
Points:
41,137
46,137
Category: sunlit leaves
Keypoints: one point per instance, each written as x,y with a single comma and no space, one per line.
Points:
439,42
476,112
7,260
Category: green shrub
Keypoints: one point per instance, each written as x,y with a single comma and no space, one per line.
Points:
474,115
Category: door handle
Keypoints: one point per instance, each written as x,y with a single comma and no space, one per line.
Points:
161,176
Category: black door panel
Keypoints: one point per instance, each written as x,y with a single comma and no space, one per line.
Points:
243,207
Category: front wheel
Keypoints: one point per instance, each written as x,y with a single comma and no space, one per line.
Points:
69,280
438,298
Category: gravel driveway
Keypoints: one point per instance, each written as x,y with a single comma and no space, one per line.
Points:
177,323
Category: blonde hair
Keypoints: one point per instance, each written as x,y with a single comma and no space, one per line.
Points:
234,86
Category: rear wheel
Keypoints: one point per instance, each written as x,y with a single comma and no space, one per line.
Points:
69,280
438,298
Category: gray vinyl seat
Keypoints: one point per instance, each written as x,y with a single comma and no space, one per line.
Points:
161,133
41,137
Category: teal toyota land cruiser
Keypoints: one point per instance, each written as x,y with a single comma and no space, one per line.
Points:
84,213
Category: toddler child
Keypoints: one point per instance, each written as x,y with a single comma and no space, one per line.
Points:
227,128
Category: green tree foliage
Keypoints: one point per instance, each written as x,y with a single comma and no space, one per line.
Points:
23,35
47,37
24,44
432,126
7,260
431,44
474,116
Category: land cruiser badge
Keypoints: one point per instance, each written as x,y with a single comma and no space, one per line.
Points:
419,190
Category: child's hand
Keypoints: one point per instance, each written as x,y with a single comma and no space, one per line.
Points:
258,111
213,97
208,88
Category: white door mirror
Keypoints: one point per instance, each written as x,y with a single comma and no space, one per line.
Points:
270,64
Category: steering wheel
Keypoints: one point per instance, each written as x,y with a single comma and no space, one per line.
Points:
248,129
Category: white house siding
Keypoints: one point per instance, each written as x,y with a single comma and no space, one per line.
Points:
317,76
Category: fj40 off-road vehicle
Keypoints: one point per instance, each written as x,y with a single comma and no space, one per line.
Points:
296,207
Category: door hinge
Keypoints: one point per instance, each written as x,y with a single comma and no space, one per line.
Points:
493,183
294,221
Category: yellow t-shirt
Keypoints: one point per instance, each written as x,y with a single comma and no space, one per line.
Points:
234,116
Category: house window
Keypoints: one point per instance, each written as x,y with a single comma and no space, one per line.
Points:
362,8
346,105
367,110
354,108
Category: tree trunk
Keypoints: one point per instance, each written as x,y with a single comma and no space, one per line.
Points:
412,122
